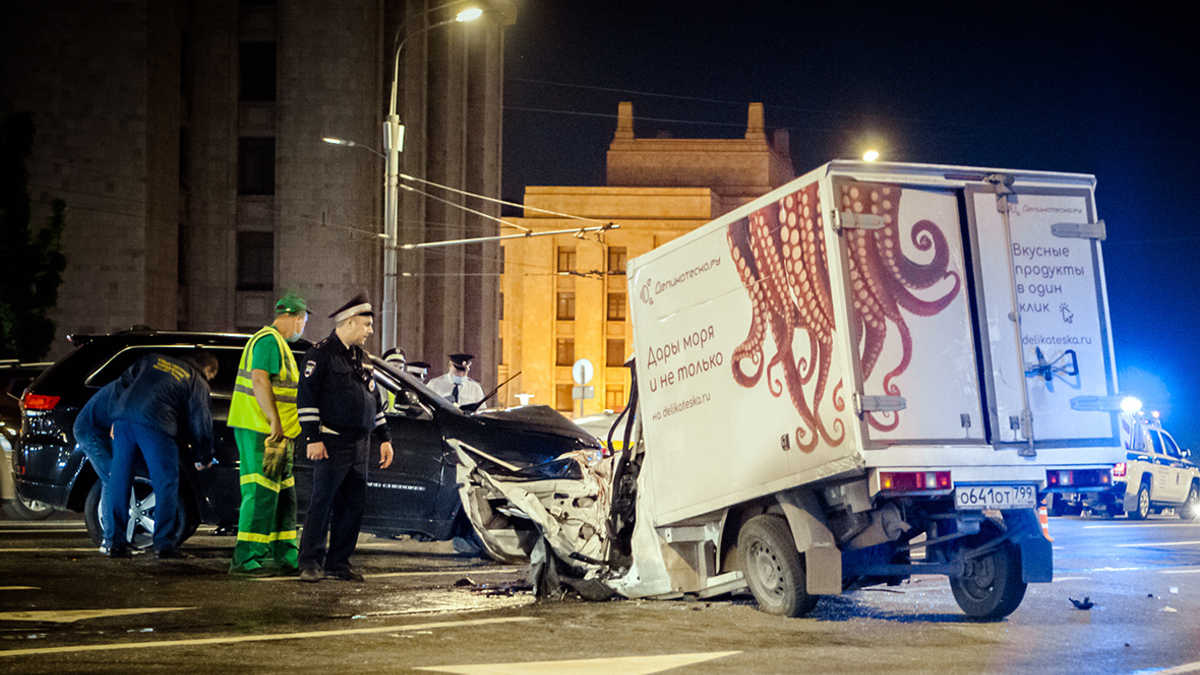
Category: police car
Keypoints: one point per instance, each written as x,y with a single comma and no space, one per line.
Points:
1156,475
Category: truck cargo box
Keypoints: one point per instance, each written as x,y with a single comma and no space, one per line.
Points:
876,316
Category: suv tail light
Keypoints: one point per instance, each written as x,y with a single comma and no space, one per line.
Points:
1118,470
39,402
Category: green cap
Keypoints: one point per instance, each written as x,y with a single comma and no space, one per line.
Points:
291,304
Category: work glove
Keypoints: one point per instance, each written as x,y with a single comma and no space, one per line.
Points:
275,453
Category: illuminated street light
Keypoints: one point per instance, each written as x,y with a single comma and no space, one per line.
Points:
393,144
870,156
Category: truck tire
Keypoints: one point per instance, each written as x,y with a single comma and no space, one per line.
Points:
1142,510
773,568
995,588
1187,510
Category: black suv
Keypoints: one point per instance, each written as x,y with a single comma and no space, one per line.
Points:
417,495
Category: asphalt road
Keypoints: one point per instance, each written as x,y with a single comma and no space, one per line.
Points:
64,608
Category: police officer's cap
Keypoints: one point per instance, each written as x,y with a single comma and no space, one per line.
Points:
359,306
461,359
418,367
291,304
394,354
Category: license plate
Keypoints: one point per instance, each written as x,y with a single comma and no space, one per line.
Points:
995,497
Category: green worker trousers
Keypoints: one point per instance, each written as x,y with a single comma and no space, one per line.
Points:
267,520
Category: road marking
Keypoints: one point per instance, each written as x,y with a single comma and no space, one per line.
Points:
626,665
1058,579
72,615
1195,571
1142,524
50,550
258,638
30,530
1164,543
1177,670
19,588
463,572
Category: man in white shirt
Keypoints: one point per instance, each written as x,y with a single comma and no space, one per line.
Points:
455,386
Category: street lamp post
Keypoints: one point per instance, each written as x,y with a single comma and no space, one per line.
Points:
393,144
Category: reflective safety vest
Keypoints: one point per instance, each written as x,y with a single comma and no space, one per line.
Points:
244,411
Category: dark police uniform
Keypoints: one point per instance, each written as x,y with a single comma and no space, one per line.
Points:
339,406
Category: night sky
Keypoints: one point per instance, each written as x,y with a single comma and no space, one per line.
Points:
1110,92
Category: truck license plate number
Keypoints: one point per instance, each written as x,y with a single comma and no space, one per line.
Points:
995,497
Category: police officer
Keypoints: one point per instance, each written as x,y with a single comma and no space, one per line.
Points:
340,412
455,386
93,433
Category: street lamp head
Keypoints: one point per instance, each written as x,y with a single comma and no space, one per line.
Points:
338,141
468,15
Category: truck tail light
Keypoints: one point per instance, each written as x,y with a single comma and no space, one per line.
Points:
39,402
912,481
1118,470
1079,477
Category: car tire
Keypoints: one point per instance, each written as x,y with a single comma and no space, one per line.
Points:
1187,510
141,522
1141,510
19,508
996,588
773,568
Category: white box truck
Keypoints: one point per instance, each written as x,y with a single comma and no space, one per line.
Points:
867,374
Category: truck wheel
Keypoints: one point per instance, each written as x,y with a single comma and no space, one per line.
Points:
1142,510
773,568
995,589
1187,510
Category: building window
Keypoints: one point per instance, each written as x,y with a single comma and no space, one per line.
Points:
256,71
566,259
256,166
255,261
616,259
616,306
501,309
562,398
503,255
614,398
566,306
564,353
616,353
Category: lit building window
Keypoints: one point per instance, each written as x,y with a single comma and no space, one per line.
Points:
564,354
616,260
566,259
566,306
616,353
562,398
616,306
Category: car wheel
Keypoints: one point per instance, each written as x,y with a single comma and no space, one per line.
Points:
19,508
140,532
773,568
1142,510
1187,510
994,588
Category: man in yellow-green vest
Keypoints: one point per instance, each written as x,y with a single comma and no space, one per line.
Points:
264,421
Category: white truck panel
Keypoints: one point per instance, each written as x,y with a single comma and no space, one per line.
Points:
756,334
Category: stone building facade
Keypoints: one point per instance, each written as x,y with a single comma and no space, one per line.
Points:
186,138
565,296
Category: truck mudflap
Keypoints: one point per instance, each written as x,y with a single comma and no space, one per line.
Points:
1037,557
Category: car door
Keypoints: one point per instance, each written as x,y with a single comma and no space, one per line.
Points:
406,496
1178,480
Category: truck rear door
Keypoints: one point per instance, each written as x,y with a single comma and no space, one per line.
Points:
1043,320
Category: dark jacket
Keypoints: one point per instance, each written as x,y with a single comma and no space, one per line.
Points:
159,392
337,399
96,417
